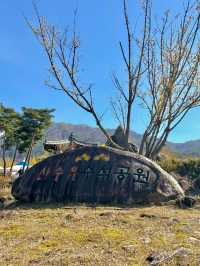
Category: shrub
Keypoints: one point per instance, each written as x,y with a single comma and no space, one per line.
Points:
184,167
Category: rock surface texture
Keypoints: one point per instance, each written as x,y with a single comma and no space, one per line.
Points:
96,175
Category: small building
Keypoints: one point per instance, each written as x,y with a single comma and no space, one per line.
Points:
59,146
56,146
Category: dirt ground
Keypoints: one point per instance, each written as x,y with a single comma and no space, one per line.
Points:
104,235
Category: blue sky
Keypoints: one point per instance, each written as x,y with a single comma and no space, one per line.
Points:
24,67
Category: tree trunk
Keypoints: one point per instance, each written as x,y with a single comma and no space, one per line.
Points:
13,160
159,147
4,158
26,159
29,157
29,153
127,132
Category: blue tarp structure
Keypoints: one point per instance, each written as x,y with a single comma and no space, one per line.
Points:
22,163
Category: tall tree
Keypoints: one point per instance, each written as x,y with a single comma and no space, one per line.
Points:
134,70
163,73
63,54
32,127
172,59
9,122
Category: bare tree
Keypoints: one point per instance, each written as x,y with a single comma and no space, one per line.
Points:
62,51
171,87
63,55
134,69
162,67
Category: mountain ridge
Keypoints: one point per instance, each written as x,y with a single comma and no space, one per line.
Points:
61,130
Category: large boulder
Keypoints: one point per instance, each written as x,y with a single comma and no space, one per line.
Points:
96,174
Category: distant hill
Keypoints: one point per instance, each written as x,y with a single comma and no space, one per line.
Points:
191,148
93,135
82,132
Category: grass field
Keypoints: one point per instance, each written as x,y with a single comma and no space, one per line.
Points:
81,235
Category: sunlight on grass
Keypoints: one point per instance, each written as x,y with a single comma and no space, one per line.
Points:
104,236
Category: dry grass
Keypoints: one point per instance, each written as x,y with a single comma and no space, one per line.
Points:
64,235
5,186
79,235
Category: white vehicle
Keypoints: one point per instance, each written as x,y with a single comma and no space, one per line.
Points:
16,168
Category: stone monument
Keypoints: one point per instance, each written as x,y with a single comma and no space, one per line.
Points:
96,175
